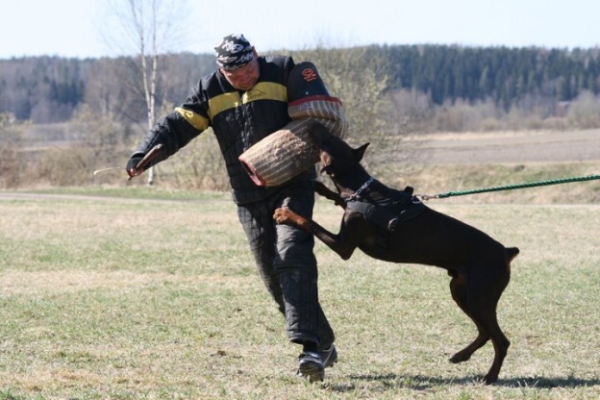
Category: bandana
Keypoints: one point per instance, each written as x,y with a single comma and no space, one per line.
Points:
233,52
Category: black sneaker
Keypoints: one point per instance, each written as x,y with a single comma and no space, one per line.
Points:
329,356
310,365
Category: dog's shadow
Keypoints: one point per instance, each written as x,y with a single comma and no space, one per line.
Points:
422,382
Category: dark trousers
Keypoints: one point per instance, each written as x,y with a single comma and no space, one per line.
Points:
287,264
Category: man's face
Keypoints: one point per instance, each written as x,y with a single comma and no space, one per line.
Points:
244,78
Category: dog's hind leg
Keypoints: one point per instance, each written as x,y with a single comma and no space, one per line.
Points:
486,319
460,294
482,303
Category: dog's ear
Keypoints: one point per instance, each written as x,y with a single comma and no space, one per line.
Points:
360,152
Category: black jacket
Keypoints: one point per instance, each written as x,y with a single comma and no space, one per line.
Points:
239,120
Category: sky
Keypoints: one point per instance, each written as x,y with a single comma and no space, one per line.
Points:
79,28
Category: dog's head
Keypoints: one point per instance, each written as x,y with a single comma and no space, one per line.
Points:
335,154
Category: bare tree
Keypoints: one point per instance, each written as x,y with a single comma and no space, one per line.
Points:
358,79
147,29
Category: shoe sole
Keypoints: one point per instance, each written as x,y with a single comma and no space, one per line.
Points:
313,376
312,371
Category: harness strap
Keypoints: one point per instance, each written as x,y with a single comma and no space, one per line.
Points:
361,189
389,213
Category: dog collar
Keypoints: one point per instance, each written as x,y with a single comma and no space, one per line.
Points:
361,189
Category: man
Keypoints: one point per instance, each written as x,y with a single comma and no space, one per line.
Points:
245,100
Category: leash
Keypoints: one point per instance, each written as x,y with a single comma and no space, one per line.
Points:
509,187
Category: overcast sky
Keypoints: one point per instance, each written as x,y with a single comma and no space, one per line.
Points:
74,28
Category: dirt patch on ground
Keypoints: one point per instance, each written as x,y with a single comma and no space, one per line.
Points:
509,147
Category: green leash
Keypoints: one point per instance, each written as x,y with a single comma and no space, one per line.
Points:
510,187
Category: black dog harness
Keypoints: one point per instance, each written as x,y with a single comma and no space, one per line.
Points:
387,213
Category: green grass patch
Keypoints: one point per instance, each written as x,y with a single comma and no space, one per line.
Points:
133,191
434,179
427,179
134,298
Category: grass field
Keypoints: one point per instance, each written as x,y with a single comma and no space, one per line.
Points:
121,298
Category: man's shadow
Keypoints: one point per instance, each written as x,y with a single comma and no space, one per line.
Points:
422,382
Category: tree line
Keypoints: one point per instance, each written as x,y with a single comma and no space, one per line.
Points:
51,89
507,75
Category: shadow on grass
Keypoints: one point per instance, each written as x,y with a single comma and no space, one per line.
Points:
422,382
549,382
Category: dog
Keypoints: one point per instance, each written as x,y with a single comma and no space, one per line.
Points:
395,226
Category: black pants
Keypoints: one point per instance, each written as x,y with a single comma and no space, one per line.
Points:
288,267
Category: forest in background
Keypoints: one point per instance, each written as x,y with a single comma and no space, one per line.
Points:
95,109
532,80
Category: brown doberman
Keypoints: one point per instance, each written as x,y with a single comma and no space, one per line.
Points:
393,225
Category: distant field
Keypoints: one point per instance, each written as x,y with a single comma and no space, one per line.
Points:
441,163
509,147
140,298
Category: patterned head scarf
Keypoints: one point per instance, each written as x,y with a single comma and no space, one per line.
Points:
233,52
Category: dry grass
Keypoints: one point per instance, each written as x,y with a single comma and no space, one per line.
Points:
136,299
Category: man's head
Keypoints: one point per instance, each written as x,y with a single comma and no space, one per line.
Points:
237,61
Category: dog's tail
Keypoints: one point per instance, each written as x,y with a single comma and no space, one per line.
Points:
511,253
